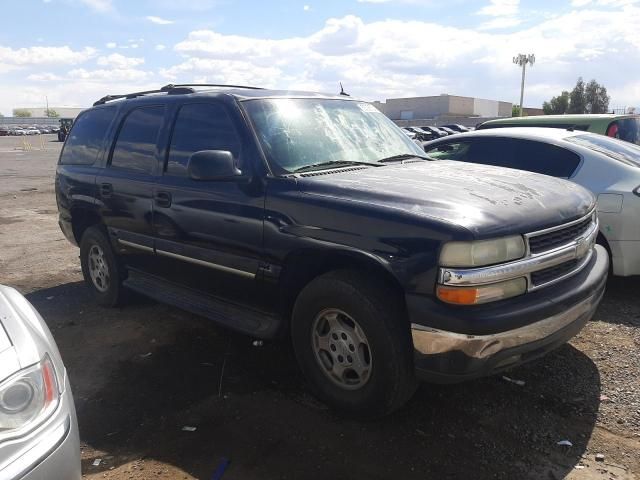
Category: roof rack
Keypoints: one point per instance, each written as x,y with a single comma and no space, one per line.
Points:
182,88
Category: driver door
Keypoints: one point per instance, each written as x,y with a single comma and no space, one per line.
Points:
208,233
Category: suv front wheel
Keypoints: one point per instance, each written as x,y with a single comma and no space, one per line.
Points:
100,267
352,343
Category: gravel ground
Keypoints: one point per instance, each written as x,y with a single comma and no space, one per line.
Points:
143,372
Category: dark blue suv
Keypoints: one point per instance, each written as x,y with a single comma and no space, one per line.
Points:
279,212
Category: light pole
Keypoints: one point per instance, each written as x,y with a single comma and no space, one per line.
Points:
522,61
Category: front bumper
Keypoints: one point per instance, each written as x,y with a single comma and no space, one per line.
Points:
445,356
52,451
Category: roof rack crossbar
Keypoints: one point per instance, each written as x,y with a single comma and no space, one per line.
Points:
171,85
109,98
167,89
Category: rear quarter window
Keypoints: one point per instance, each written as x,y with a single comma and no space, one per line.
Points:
627,129
87,136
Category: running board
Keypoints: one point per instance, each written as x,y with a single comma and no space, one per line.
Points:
243,319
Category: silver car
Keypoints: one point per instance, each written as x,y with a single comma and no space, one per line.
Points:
38,427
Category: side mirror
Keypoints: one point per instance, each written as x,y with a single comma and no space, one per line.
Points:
213,165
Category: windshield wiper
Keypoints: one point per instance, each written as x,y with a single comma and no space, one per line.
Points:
332,163
402,156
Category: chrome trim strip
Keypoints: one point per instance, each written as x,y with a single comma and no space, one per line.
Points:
203,263
135,245
579,248
432,341
560,227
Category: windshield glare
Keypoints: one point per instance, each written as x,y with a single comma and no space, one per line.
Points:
296,133
617,149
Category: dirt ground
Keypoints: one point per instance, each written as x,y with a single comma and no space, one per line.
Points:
142,373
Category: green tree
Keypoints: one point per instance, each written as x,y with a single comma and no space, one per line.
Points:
577,98
515,111
557,105
51,113
21,112
596,98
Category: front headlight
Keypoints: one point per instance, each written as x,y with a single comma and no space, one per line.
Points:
482,252
28,398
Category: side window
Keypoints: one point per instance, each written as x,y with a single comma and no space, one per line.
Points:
545,158
86,136
496,151
135,147
200,126
449,151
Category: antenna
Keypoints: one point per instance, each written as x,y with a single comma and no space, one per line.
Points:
342,92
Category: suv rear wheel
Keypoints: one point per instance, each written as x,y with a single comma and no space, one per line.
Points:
352,344
100,267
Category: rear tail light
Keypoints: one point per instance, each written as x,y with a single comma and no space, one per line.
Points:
612,131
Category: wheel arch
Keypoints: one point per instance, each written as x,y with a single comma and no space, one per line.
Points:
83,218
303,266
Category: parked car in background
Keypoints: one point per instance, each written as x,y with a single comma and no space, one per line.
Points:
409,133
421,134
314,217
457,128
435,131
32,131
4,131
448,130
608,167
623,127
18,131
38,427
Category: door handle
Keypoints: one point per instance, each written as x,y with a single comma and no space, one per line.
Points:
106,189
163,199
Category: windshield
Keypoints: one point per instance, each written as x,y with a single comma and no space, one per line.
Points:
616,149
298,133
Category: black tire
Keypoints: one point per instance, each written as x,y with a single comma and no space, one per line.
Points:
107,293
380,315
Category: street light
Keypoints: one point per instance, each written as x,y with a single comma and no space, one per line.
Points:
522,60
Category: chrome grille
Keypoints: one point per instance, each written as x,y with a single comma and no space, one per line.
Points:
550,274
557,238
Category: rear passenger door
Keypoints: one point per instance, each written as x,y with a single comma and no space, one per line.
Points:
125,185
208,233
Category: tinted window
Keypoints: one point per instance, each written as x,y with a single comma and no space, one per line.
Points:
449,151
545,158
203,126
627,129
86,137
135,147
621,151
511,153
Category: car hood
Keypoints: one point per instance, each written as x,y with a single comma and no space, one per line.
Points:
24,336
488,201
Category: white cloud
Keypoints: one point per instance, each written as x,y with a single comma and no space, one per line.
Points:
116,60
112,45
306,8
500,8
98,5
43,77
159,20
160,47
500,22
108,75
29,56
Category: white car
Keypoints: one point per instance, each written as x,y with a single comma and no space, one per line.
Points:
38,427
608,167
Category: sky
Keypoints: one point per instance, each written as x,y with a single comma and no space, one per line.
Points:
76,51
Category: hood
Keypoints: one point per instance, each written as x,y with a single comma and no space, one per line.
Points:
488,201
24,336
